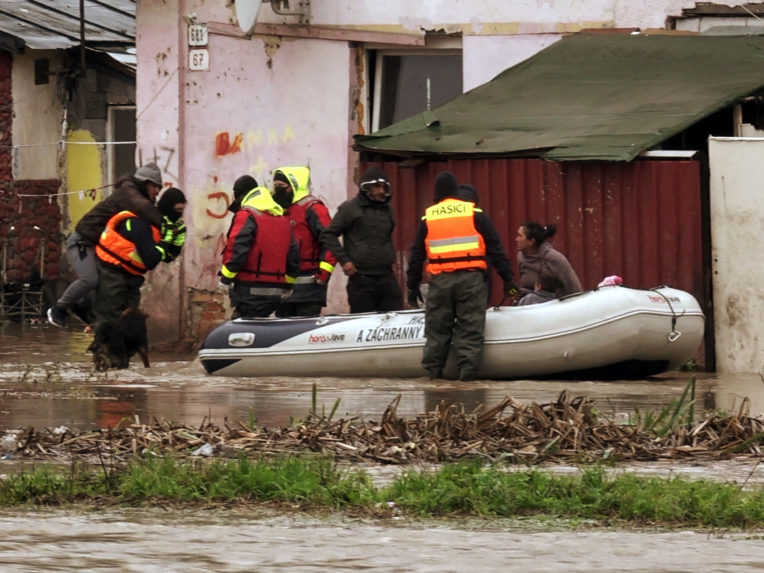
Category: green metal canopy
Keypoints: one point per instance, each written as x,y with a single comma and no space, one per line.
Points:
587,97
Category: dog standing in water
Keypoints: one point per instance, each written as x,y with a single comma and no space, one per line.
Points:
116,341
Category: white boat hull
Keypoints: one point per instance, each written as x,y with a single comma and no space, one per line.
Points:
614,329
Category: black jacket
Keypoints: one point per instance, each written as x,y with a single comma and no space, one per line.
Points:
494,251
127,197
366,227
140,234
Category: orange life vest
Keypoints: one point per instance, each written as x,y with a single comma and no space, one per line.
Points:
453,243
116,250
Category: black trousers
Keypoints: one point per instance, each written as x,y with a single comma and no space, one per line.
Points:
287,309
247,305
374,293
117,290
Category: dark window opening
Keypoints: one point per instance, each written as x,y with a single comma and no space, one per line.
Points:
41,71
695,137
411,84
753,112
123,129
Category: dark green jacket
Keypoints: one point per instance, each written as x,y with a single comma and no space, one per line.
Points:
366,228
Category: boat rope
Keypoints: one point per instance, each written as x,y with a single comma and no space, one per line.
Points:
674,335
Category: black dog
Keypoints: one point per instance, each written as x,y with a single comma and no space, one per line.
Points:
116,341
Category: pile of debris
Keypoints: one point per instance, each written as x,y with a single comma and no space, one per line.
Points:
566,429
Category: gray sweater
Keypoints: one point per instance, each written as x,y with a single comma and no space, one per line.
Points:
549,261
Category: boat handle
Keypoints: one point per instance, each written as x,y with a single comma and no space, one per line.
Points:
673,336
241,339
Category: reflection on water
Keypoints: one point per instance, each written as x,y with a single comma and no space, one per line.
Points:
154,541
46,380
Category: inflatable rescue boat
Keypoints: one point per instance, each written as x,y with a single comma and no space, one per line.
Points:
611,332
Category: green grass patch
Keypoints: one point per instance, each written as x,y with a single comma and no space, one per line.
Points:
464,489
472,489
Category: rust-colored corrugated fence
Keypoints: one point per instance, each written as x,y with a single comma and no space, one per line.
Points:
641,220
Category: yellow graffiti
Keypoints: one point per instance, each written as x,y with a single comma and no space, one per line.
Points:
257,138
254,138
83,172
288,134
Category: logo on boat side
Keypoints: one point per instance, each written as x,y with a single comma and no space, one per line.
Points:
388,333
656,298
325,338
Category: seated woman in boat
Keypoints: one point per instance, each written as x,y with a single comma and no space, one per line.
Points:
536,257
545,290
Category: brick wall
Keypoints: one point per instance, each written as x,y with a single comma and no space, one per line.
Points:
6,117
24,242
19,215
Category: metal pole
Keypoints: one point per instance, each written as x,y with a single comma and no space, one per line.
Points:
83,65
5,258
42,257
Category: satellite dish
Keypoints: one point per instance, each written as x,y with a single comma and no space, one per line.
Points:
246,13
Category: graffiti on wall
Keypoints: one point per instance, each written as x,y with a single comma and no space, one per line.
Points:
225,144
217,204
218,197
163,156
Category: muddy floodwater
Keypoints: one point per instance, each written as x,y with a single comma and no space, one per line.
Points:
46,380
155,541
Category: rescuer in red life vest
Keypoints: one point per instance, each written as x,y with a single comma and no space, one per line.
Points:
260,259
457,239
309,216
129,247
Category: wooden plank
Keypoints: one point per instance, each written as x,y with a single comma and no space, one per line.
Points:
319,33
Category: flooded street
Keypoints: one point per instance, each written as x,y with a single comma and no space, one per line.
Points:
156,541
46,380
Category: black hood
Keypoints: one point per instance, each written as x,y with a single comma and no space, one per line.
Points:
446,185
167,202
241,187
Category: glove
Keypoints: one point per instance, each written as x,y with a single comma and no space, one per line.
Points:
322,277
510,289
169,251
415,297
223,280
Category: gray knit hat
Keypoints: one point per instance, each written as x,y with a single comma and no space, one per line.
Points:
149,172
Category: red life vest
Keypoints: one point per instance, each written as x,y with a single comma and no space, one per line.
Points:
310,248
116,250
453,243
267,259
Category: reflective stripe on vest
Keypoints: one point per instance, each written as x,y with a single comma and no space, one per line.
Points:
453,243
116,250
267,291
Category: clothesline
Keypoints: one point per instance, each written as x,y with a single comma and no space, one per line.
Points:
65,142
81,193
